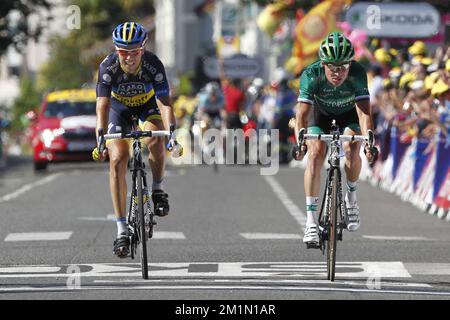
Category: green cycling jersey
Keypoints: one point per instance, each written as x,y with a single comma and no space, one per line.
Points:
316,90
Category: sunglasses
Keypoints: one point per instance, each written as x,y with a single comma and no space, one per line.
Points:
129,52
337,67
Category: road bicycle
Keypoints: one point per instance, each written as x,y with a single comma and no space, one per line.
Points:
140,217
333,217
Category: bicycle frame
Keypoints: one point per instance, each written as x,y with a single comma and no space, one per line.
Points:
333,214
140,216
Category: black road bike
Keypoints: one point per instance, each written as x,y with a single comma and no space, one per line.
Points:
333,217
140,215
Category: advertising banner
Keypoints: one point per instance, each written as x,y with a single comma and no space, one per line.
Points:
404,20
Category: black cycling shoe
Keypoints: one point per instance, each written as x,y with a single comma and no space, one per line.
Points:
122,245
161,202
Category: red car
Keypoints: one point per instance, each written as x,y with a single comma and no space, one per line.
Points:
64,129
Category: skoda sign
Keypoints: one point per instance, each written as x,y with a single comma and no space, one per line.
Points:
404,20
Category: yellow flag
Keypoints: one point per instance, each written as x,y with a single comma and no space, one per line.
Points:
271,17
316,24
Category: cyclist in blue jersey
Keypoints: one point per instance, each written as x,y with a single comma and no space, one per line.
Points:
334,88
211,105
132,82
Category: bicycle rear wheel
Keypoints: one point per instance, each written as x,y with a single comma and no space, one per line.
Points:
141,226
332,224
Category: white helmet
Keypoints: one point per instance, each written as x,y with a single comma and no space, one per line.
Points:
211,87
258,82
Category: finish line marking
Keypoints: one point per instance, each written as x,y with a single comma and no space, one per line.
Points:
378,270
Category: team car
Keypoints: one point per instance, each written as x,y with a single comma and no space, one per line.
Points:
64,129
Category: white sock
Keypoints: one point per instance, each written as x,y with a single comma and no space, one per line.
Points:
121,225
312,204
158,184
351,190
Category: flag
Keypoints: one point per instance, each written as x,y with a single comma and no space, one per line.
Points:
312,29
271,17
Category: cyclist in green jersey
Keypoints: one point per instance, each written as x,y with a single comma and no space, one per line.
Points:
335,88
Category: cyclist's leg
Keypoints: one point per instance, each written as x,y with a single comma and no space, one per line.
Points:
157,151
320,123
352,156
352,152
118,151
206,119
352,169
315,158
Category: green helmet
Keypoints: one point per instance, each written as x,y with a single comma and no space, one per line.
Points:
336,48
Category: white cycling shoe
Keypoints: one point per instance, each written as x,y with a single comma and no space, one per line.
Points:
353,216
311,237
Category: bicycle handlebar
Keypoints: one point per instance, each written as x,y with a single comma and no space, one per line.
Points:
302,136
138,134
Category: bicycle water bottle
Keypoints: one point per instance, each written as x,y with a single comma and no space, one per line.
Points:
177,150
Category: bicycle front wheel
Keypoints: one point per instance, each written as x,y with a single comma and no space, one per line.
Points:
332,225
141,226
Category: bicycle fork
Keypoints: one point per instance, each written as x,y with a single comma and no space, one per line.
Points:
324,215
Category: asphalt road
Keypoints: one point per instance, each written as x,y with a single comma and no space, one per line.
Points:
231,235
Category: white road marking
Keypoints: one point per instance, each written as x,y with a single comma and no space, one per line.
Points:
398,238
290,206
227,270
168,235
428,269
260,281
40,288
13,195
259,236
109,217
30,269
38,236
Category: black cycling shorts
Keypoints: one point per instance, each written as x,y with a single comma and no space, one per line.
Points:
120,116
321,122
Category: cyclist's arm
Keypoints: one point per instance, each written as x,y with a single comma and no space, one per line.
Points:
301,116
307,90
167,113
364,111
103,93
362,98
102,110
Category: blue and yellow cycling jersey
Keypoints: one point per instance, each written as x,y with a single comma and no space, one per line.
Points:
133,90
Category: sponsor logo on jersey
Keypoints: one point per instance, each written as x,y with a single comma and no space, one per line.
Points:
131,89
159,77
149,67
136,100
113,68
107,78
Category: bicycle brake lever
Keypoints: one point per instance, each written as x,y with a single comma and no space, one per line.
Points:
371,138
301,137
100,141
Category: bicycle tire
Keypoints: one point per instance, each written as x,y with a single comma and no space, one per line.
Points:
332,234
141,227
